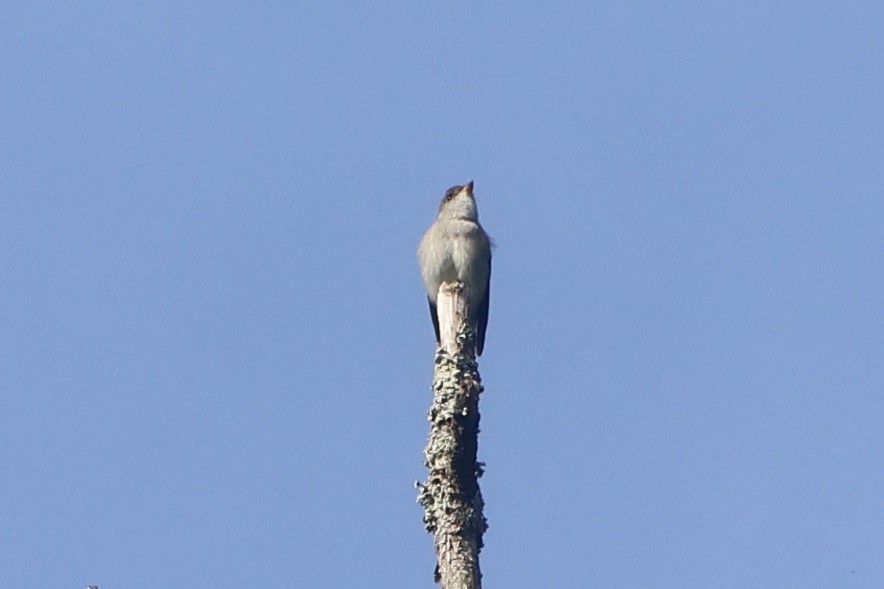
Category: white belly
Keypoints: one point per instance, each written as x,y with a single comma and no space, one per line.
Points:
455,256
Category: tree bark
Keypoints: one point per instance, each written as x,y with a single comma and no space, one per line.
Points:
450,496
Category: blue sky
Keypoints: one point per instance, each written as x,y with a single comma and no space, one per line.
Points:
216,353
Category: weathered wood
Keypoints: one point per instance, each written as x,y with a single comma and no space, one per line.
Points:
451,497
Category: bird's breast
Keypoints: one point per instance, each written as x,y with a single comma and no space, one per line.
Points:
456,252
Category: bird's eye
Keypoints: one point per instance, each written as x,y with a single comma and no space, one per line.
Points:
452,192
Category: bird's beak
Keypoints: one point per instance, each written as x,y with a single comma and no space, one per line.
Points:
468,187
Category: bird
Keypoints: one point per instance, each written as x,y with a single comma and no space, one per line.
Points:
456,249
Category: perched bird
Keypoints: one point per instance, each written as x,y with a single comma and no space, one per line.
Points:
456,249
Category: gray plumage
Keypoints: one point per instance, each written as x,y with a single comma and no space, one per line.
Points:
456,249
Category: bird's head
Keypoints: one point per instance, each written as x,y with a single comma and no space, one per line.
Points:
458,203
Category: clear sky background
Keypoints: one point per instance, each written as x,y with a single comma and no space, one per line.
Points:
215,352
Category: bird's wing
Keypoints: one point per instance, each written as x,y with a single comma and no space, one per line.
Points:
482,313
435,319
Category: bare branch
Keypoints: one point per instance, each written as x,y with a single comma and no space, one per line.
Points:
451,497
